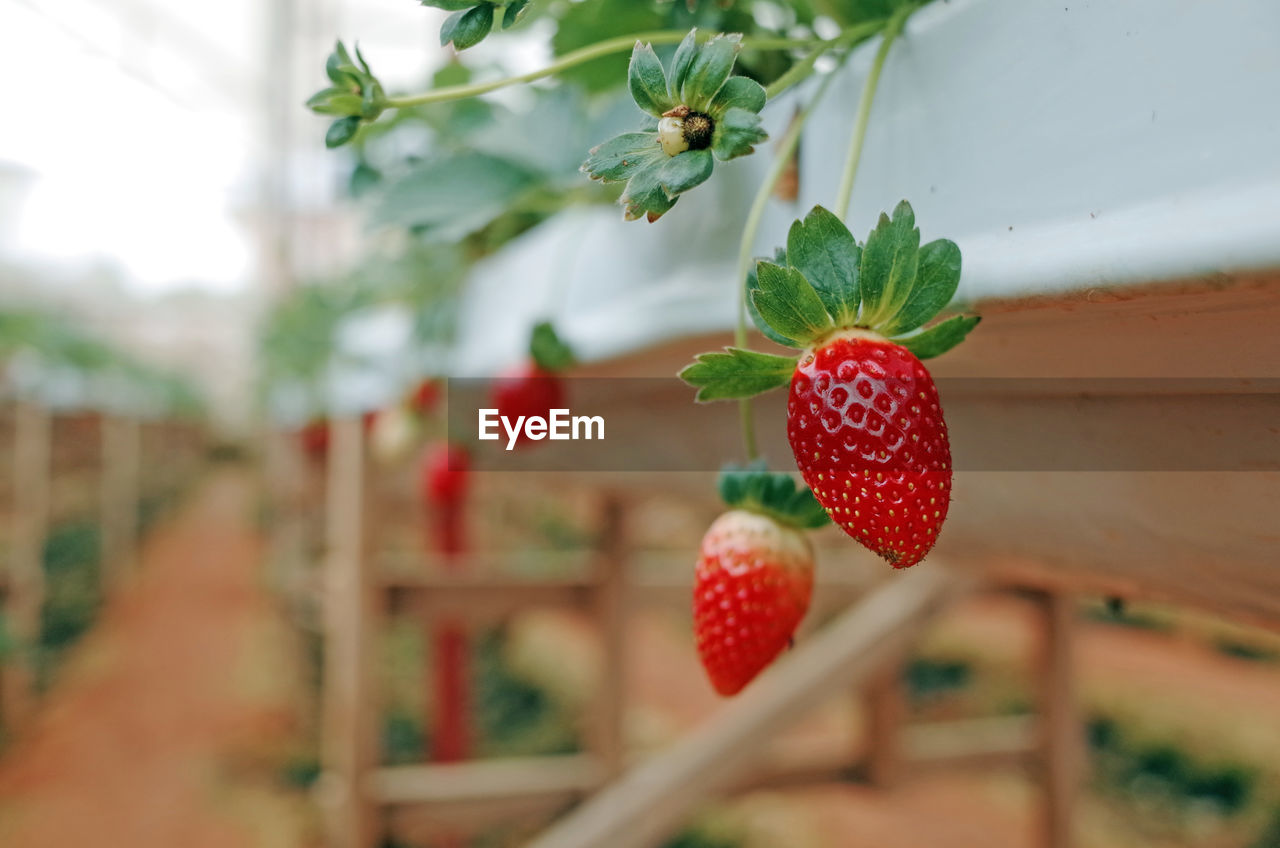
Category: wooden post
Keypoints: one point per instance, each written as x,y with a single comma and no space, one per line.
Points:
886,714
25,598
610,607
1061,743
121,491
351,749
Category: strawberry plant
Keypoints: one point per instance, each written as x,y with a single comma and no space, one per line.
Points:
534,387
864,418
754,575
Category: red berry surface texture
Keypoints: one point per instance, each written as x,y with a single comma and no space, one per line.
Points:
752,587
866,428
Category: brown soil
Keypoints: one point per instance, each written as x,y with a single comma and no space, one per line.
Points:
155,734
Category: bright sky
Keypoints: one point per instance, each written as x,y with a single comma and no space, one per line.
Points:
138,118
139,164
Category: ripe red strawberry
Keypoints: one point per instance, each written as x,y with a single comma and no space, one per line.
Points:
424,397
534,388
866,428
863,418
314,437
754,575
444,480
752,587
445,475
526,391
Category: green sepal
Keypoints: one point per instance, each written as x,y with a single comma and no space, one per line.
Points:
937,277
469,28
644,195
548,351
741,92
888,269
336,101
515,12
736,373
682,172
364,66
355,92
371,103
737,133
788,304
341,131
340,69
680,63
647,81
776,495
939,338
752,283
712,63
622,156
822,249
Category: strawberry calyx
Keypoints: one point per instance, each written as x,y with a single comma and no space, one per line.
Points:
826,286
775,495
548,351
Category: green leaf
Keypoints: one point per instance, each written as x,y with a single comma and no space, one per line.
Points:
737,133
644,195
680,63
452,196
340,69
742,92
682,172
451,73
737,373
516,11
620,157
709,69
941,337
364,66
341,131
937,277
583,24
467,29
752,283
450,5
888,269
647,81
788,304
822,248
547,349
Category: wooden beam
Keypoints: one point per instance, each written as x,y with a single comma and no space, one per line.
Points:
971,742
886,714
478,598
486,596
608,712
650,801
350,698
1060,727
483,780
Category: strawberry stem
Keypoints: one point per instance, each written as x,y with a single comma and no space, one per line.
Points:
786,148
586,54
891,31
